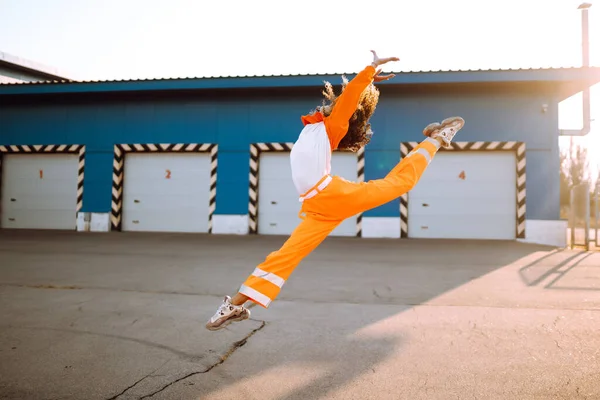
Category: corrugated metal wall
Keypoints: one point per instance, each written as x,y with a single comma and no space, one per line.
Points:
233,120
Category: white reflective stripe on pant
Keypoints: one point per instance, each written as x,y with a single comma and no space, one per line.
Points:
421,151
255,295
434,142
274,279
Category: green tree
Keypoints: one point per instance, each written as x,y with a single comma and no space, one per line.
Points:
574,170
578,166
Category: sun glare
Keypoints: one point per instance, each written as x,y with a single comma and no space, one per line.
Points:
592,143
570,118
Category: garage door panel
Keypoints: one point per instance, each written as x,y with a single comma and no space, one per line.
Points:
453,188
171,201
39,219
456,227
158,220
456,200
278,204
280,222
285,183
468,195
496,207
280,197
43,177
456,203
175,179
31,187
455,182
166,192
182,190
152,164
278,226
459,174
276,186
346,228
170,174
453,192
52,165
446,163
344,165
39,191
276,162
59,201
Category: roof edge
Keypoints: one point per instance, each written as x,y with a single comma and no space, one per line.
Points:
32,66
584,75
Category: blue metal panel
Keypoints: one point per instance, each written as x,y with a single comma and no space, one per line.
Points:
233,180
233,127
97,193
377,165
498,117
543,185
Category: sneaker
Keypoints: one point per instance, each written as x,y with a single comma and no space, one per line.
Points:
226,314
446,129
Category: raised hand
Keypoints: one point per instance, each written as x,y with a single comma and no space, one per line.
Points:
379,78
380,61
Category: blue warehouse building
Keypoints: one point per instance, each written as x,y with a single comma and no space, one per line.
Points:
211,155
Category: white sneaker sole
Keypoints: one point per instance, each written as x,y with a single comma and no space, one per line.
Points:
456,122
215,326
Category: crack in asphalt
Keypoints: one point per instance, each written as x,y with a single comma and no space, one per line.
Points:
223,358
136,383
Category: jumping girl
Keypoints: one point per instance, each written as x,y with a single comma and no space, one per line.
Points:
328,200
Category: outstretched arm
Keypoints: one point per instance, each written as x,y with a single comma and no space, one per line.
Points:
338,121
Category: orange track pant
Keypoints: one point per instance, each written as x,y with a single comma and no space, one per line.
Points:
340,200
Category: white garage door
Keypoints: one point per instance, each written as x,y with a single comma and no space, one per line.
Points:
39,191
465,195
278,204
166,192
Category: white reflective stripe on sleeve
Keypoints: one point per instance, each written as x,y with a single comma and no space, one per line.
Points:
434,142
268,276
254,295
421,151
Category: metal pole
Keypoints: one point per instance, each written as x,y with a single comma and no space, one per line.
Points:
572,217
586,210
597,214
585,28
585,58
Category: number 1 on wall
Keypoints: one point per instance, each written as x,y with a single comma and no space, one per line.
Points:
41,174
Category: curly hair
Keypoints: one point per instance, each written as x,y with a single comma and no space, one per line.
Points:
359,130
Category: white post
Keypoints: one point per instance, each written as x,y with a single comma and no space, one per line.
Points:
597,214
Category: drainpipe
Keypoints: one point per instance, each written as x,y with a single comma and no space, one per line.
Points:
585,52
585,59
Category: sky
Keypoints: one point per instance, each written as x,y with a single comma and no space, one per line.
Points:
123,39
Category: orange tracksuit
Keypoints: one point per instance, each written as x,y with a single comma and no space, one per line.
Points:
328,200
